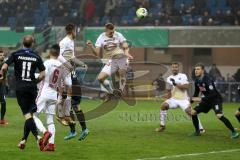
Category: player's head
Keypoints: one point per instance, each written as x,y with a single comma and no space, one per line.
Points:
2,55
109,29
71,30
175,68
199,70
54,50
28,41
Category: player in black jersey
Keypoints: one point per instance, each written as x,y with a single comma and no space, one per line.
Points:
3,88
26,63
211,100
76,100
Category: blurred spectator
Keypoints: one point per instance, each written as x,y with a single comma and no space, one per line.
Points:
229,78
214,72
228,17
218,17
89,10
236,76
159,85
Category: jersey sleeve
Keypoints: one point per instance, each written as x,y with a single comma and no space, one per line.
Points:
184,79
121,38
62,49
99,42
10,59
40,65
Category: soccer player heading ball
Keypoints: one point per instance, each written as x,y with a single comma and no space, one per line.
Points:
116,50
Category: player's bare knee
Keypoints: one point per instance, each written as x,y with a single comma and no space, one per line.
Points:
219,115
237,113
193,112
102,76
28,116
164,106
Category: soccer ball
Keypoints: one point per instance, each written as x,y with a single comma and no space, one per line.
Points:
141,13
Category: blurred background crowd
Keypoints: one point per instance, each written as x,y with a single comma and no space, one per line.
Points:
120,12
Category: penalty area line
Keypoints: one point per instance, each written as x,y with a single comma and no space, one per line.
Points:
190,154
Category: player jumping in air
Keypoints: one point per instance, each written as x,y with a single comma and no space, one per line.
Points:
3,87
26,62
177,85
67,57
211,100
47,96
115,48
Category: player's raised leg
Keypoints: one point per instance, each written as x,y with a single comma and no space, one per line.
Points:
104,74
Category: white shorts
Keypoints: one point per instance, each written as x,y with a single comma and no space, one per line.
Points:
113,65
46,105
175,103
68,80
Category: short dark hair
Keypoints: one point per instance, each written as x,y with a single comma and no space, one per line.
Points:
200,65
54,50
70,28
28,41
109,26
175,63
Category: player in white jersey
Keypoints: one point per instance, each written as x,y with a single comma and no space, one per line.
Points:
67,57
116,49
47,96
177,96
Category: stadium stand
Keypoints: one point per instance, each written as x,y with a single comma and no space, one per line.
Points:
121,12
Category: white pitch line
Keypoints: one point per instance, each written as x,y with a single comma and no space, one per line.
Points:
191,154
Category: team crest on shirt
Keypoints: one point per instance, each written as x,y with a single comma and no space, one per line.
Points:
211,87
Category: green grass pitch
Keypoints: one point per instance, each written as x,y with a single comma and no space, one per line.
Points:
126,133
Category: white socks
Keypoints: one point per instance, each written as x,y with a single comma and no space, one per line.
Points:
51,127
39,124
163,116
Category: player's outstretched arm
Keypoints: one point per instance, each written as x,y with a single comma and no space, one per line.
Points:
125,47
96,51
78,63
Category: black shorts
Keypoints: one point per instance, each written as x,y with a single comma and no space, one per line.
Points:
2,93
206,106
26,100
76,100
